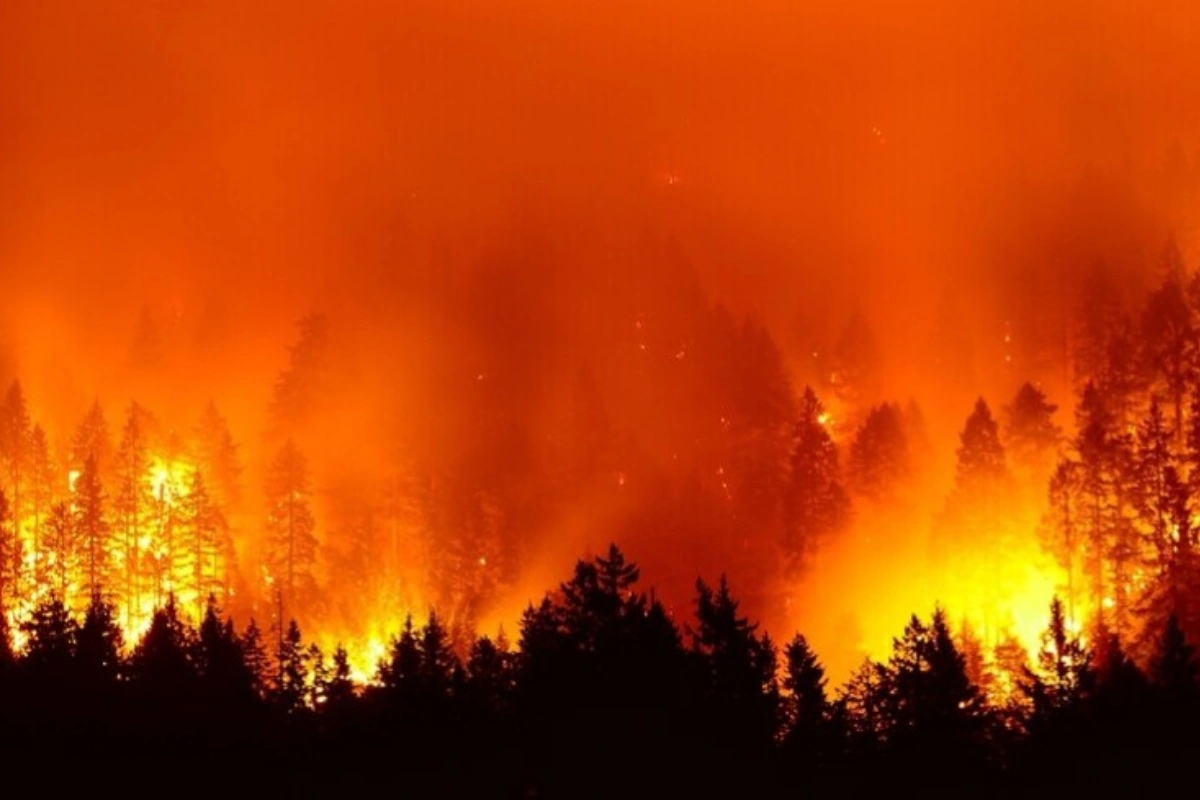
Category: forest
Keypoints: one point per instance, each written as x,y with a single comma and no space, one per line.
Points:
599,400
139,623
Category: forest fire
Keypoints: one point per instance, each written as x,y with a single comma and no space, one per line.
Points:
813,387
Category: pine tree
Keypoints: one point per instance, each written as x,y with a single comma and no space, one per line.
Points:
291,682
929,703
318,683
976,526
63,557
220,658
1098,451
809,736
301,386
292,543
1064,676
99,643
1169,340
91,440
1174,668
862,698
162,660
254,655
816,506
339,688
438,661
41,496
981,460
1030,435
50,637
490,683
739,665
880,461
16,434
201,540
399,671
133,505
1061,529
218,458
92,531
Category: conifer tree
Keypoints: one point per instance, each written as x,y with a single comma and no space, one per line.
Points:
291,682
99,642
1174,668
809,736
292,543
91,440
41,495
201,541
1030,434
63,555
92,531
880,461
162,661
816,505
739,667
254,655
339,687
16,440
50,637
1064,677
133,504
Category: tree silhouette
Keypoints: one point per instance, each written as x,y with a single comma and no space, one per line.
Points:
50,637
254,655
816,505
99,643
220,659
740,688
810,738
291,683
879,456
1030,434
929,704
162,661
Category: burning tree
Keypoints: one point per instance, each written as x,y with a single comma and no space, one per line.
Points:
16,445
203,542
42,481
92,531
134,506
291,528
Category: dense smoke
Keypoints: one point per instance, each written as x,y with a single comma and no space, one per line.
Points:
576,261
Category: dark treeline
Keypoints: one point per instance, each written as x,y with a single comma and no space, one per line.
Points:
604,695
